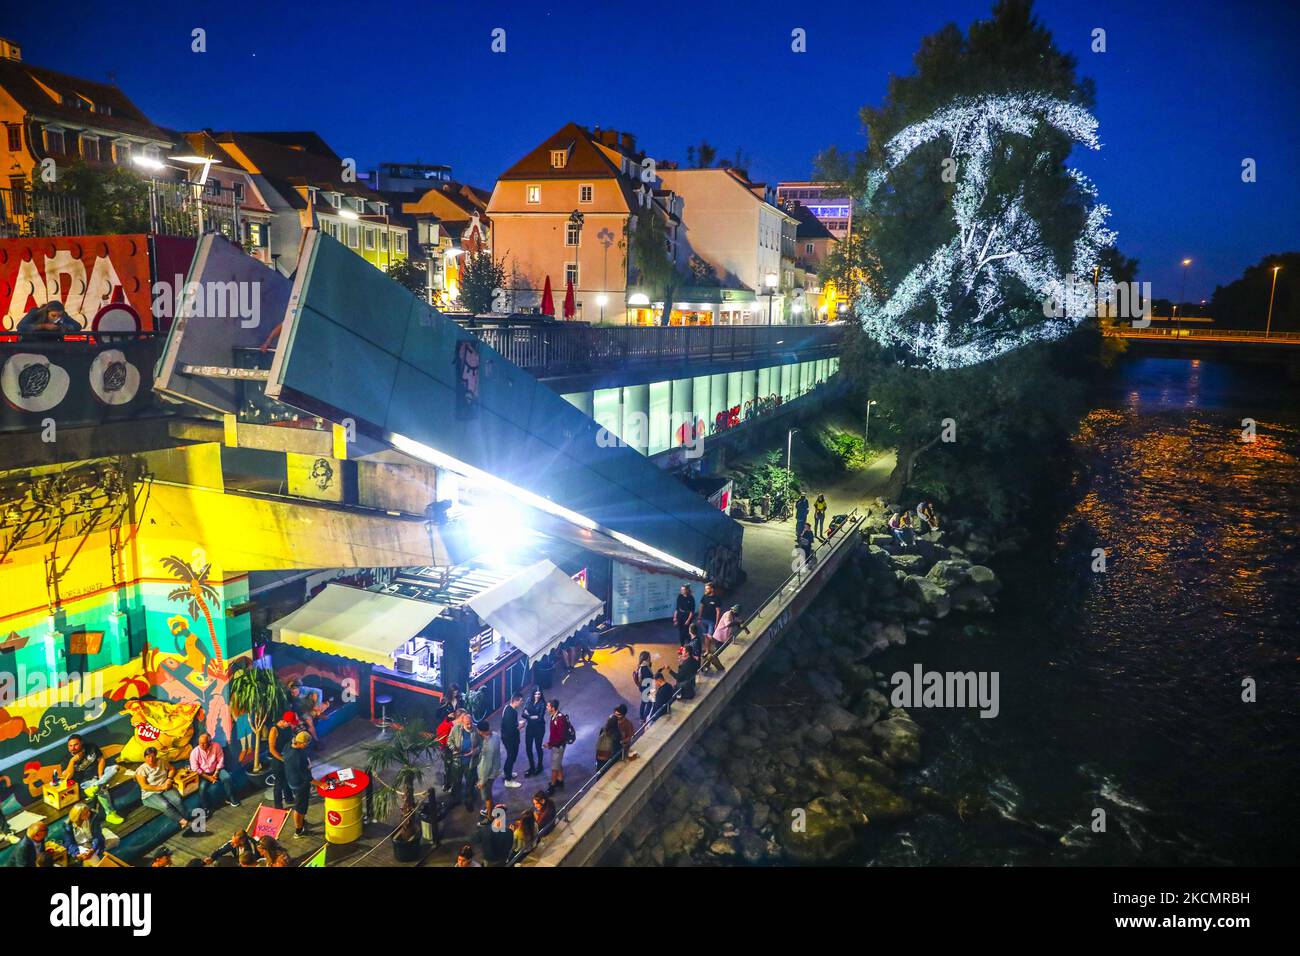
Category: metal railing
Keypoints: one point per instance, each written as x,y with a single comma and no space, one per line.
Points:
38,213
786,588
187,209
559,348
1223,335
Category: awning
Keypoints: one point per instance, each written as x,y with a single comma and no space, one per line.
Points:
538,608
363,625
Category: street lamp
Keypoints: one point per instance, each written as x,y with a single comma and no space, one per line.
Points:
866,429
841,311
1183,294
1268,326
602,300
769,282
789,447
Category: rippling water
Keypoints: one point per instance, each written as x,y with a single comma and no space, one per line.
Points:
1122,690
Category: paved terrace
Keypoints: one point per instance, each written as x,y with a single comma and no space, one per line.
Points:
588,695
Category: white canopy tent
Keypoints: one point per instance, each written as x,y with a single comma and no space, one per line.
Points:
537,609
362,625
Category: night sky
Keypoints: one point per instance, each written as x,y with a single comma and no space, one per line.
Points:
1185,91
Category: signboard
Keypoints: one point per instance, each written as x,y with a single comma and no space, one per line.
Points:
267,821
640,595
74,383
86,273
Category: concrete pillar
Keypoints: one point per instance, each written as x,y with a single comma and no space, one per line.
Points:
765,382
717,397
748,389
787,382
734,392
607,410
700,400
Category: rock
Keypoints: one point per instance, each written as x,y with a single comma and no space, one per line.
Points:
885,542
747,742
723,847
824,684
836,718
753,848
877,771
681,837
818,768
911,563
949,573
878,804
788,757
921,627
728,794
717,814
971,599
820,735
760,814
851,746
898,739
894,634
984,579
825,837
932,596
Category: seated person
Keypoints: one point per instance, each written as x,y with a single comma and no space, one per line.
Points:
161,857
240,846
208,760
543,811
491,844
86,765
155,777
306,704
524,832
30,850
83,834
47,321
465,858
271,852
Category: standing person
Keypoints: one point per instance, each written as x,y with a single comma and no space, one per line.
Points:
710,610
463,744
684,614
819,515
800,514
155,777
440,737
560,735
511,724
489,766
297,770
534,731
728,627
86,766
806,544
663,696
645,682
625,732
687,668
208,760
277,741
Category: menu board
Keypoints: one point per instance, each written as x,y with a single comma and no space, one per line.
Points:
641,595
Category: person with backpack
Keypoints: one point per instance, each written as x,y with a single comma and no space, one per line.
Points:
608,746
644,678
819,515
534,731
561,734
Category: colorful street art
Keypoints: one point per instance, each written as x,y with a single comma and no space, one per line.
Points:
154,723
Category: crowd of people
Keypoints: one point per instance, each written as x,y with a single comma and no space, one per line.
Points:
905,526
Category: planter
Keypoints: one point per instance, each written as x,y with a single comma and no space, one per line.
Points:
407,851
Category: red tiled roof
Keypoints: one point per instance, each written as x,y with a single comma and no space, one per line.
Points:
28,86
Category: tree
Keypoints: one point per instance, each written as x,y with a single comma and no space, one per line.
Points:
702,272
409,750
410,275
115,199
701,156
1243,303
255,692
656,271
480,278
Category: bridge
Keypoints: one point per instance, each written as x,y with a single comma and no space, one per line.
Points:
1245,345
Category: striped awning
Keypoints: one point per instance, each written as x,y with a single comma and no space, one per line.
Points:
362,625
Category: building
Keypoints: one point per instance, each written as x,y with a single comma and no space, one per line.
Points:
826,201
227,185
303,181
450,222
407,177
50,115
736,226
563,212
813,243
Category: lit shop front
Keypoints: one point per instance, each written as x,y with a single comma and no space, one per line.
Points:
698,305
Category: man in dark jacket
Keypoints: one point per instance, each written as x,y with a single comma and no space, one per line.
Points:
663,696
800,514
684,614
30,850
50,320
685,673
511,722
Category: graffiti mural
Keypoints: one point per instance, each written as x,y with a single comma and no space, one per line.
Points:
103,281
200,674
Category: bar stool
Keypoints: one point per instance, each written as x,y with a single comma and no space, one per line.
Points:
383,700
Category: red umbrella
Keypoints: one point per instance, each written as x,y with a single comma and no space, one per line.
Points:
570,303
548,301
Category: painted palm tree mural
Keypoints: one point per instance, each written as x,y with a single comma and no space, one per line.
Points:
196,594
199,676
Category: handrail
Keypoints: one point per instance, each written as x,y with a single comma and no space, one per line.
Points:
806,570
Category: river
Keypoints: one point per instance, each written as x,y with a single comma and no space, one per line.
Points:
1121,690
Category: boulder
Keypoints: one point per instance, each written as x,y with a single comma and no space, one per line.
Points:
723,848
911,563
718,814
826,685
898,739
820,735
823,836
753,848
760,814
878,804
747,742
836,718
681,837
984,578
971,599
950,572
932,596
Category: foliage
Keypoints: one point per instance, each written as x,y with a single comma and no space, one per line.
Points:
409,751
769,477
410,275
655,269
701,156
115,199
480,277
257,693
1243,303
702,272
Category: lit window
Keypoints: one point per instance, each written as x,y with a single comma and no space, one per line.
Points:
559,157
534,194
585,192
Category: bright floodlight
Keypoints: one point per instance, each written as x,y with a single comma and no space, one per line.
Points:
602,300
148,162
638,298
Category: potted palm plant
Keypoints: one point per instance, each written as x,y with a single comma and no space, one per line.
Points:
257,693
407,753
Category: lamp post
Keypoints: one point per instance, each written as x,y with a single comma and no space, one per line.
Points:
789,448
866,429
841,310
1183,294
769,282
602,300
1268,326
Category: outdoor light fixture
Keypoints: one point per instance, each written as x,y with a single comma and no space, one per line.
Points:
638,299
148,162
348,214
769,280
602,300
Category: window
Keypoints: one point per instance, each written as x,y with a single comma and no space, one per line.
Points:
353,236
571,274
586,192
370,238
257,234
15,138
151,152
534,194
239,192
214,187
53,139
808,248
90,148
572,234
399,243
383,239
559,157
122,149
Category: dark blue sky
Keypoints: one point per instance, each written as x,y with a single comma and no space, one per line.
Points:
1185,91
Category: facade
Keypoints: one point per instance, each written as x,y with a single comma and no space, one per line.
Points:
597,174
826,201
303,181
407,177
50,115
229,184
813,243
449,222
737,227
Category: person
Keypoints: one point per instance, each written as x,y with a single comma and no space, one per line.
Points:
240,846
710,610
492,843
543,811
511,724
454,700
297,772
208,760
465,858
86,766
489,766
645,682
926,520
557,739
625,732
277,741
47,321
306,704
728,627
269,848
534,731
30,850
83,836
898,528
585,641
440,736
663,695
800,514
607,745
161,857
907,530
155,777
806,543
687,668
819,515
462,742
523,833
693,642
684,613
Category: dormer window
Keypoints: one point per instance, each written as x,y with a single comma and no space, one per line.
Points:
559,158
54,139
